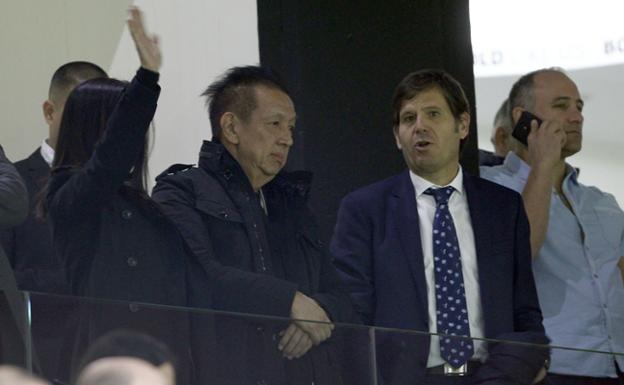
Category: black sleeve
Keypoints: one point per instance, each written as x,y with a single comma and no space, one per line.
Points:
7,242
13,194
332,294
80,193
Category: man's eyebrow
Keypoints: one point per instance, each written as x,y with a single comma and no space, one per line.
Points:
568,98
279,115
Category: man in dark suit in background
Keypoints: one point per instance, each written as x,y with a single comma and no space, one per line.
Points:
436,250
29,246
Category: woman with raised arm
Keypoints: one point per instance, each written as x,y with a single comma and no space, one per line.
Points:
114,241
112,238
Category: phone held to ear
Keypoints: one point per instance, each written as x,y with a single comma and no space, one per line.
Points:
523,127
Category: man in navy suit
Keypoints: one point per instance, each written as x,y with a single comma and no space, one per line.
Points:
436,250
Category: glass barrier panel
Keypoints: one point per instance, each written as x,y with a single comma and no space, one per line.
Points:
568,363
210,347
411,357
14,329
53,334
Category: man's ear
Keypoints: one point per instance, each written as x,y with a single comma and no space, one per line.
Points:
464,124
515,114
48,111
500,140
395,131
229,128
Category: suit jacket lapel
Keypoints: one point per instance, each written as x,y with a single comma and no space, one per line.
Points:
38,169
408,228
482,228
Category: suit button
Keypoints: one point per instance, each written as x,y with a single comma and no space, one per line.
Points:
133,308
127,214
132,262
260,328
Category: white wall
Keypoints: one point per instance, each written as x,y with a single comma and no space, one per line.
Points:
36,37
199,38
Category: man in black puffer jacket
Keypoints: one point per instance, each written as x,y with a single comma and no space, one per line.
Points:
257,242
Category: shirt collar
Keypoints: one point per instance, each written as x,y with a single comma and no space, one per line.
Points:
571,174
421,184
47,152
517,166
521,168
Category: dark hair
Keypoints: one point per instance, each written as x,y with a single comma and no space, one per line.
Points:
235,91
420,81
128,343
503,117
84,124
70,74
521,93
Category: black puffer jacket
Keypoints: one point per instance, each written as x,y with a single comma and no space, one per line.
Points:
221,219
252,263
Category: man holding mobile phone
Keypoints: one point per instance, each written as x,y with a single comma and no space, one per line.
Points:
577,232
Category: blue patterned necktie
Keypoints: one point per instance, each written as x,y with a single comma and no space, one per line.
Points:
451,309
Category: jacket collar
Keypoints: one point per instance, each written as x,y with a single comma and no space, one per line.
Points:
214,158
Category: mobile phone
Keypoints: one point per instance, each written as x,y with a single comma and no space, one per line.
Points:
523,127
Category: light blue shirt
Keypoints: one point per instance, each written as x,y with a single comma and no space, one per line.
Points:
578,281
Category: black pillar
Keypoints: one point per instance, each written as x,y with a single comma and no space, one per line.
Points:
341,61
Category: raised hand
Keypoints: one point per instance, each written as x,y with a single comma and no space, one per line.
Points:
146,45
545,143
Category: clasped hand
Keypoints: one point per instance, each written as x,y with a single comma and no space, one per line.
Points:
301,335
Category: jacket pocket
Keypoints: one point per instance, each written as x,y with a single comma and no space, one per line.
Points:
226,233
219,210
611,225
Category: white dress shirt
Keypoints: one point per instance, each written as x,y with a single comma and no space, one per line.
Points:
47,152
458,207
